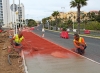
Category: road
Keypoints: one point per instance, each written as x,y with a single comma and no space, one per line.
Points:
93,45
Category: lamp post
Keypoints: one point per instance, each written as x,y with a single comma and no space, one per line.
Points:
19,14
14,16
48,24
27,19
72,14
16,21
63,15
63,11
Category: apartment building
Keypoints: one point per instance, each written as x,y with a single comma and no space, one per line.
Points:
21,12
1,13
19,15
4,13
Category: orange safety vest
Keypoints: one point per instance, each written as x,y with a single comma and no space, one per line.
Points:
80,40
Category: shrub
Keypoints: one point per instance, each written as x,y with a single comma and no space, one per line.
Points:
51,28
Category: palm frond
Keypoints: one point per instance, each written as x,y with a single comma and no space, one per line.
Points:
83,3
73,4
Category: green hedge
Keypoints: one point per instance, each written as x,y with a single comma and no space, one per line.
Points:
93,25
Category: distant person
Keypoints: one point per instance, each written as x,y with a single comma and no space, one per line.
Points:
43,30
79,44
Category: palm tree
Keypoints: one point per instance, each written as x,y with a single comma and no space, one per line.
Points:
55,14
49,21
98,17
44,21
93,16
78,4
84,19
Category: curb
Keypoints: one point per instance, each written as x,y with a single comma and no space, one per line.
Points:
80,34
25,67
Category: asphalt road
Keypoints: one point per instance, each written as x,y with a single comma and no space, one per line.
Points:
93,45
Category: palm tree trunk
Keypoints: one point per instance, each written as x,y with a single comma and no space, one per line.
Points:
78,18
56,24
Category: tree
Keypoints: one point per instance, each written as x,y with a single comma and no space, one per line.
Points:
98,17
44,20
69,23
84,19
55,14
49,22
93,16
85,22
31,23
78,4
74,18
89,15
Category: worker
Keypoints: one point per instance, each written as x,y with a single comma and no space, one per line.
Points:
79,44
16,42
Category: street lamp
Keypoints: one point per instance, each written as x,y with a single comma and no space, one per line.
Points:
27,19
14,16
48,24
72,14
63,11
63,14
16,22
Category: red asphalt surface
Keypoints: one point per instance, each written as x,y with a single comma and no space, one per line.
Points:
34,45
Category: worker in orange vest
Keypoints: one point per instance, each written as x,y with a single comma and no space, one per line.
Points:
79,44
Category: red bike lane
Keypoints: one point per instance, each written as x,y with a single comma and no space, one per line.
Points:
43,56
34,45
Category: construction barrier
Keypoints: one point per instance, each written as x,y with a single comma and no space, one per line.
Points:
0,31
86,32
64,34
32,28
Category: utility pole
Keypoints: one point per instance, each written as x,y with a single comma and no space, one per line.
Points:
19,14
7,12
27,19
63,14
14,16
63,11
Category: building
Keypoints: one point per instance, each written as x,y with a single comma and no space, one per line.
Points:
4,13
96,12
71,15
21,12
19,15
1,12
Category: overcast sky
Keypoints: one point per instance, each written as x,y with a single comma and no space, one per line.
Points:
38,9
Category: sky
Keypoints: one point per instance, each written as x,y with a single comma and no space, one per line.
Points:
38,9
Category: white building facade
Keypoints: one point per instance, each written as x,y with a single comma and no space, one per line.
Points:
19,15
21,12
5,13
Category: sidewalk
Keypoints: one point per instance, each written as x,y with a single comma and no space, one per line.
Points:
45,60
